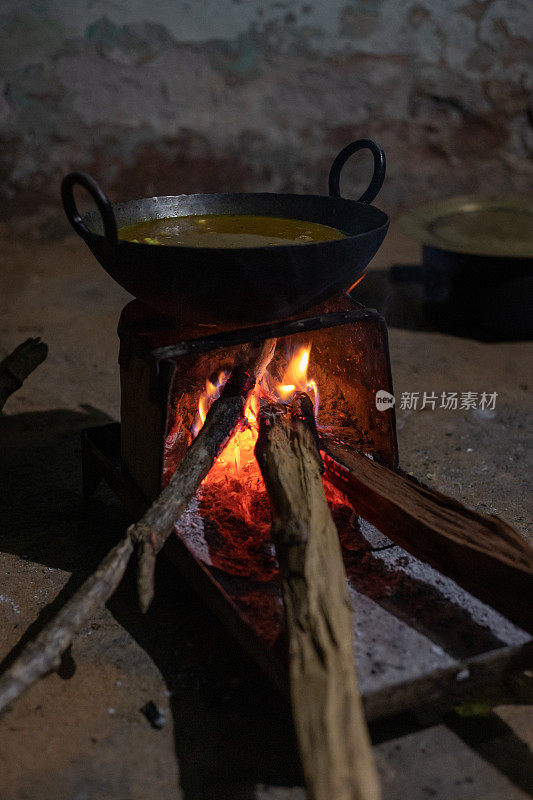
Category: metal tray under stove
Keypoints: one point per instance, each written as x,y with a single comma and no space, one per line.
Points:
419,637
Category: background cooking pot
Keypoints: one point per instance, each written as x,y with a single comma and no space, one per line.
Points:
477,264
239,285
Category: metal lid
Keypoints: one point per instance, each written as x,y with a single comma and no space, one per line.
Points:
500,226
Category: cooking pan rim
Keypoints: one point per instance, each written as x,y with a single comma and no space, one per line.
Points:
93,214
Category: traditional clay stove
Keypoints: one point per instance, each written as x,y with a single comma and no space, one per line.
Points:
418,635
164,368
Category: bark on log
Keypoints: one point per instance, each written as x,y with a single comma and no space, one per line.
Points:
154,528
482,553
16,367
43,654
333,738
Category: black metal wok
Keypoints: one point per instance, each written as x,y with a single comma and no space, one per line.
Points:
241,285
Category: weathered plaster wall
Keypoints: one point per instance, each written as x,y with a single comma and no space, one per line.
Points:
169,96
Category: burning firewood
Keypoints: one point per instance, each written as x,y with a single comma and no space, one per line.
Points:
16,367
154,528
333,738
43,655
481,553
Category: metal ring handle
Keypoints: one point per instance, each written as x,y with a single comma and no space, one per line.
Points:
379,169
104,206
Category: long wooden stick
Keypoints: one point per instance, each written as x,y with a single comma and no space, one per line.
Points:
16,367
154,528
481,553
43,654
333,738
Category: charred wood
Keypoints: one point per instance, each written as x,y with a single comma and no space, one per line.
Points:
223,417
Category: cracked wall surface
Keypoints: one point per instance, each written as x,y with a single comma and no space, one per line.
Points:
169,97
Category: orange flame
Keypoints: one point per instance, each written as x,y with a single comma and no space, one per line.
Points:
295,378
237,459
212,391
355,284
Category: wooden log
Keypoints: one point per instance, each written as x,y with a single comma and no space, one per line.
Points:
333,738
225,413
480,552
16,367
43,654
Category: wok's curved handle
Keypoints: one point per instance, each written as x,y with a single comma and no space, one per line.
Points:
342,158
104,207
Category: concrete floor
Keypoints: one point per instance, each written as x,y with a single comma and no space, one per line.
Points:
80,735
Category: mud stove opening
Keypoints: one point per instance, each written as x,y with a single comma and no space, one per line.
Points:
419,636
